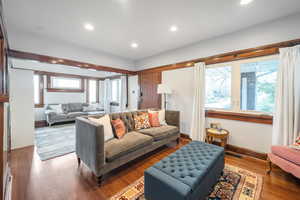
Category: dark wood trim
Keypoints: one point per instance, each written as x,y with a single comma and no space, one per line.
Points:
185,136
88,90
63,61
41,91
265,50
245,151
51,89
66,75
4,98
41,123
246,117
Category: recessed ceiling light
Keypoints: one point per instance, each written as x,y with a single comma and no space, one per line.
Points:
134,45
173,28
245,2
89,27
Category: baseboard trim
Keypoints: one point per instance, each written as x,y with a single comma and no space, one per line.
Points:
41,123
247,152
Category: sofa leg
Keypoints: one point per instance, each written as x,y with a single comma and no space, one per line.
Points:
269,163
99,180
79,161
178,140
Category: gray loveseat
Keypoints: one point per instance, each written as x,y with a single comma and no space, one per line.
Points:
102,157
70,112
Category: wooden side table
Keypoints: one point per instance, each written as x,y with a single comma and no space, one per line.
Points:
212,134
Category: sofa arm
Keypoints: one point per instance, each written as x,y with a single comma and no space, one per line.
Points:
173,118
90,143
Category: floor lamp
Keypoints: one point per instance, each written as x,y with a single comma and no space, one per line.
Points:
163,89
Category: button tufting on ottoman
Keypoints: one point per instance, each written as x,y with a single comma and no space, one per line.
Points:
189,173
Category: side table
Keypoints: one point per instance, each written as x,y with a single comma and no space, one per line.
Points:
212,134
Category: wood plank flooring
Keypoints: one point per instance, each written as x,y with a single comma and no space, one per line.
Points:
61,179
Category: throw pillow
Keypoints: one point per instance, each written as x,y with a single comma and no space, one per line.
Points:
141,121
161,116
56,108
119,127
105,122
154,119
296,145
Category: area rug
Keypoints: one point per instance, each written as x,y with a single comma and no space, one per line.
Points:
55,141
235,184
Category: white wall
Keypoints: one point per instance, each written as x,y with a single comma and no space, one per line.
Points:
22,108
253,136
29,42
133,89
277,31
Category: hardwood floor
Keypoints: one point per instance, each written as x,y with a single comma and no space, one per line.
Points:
61,179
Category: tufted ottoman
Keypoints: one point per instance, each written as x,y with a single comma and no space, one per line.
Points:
189,173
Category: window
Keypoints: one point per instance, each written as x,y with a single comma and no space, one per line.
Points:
38,90
65,84
116,89
258,81
218,90
246,85
92,91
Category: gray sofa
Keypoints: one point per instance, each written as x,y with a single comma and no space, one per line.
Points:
102,157
70,112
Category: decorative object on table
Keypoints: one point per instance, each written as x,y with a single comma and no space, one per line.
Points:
235,183
215,126
220,134
164,90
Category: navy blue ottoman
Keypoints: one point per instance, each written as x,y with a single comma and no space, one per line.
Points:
187,174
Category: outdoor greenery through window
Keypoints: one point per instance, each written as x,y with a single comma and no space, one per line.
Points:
246,85
218,87
65,82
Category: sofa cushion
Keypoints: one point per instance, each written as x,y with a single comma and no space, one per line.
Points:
161,132
115,148
75,107
287,153
59,116
75,114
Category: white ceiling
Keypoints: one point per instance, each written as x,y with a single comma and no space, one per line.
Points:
147,22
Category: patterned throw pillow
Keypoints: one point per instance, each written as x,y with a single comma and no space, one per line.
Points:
154,119
141,121
119,127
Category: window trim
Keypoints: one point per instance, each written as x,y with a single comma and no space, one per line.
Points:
52,89
235,84
41,91
88,90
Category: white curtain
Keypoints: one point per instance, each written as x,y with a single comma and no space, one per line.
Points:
198,113
107,95
123,94
287,107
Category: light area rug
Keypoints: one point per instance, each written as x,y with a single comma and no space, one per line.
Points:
234,184
55,141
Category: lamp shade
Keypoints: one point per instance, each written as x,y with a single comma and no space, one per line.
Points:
163,89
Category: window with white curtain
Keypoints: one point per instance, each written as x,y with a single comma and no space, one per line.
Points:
92,90
116,90
36,89
245,85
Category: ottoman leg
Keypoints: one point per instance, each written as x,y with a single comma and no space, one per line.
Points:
178,140
99,180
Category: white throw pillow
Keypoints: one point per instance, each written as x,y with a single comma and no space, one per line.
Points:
56,108
105,122
161,116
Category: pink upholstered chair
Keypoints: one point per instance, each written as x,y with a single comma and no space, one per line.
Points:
286,158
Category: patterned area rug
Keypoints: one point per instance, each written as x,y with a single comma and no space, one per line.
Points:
55,141
235,184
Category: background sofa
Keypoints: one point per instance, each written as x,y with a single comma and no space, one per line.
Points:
102,157
70,112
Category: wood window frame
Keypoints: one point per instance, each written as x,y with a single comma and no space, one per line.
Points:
41,91
52,89
88,90
239,116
